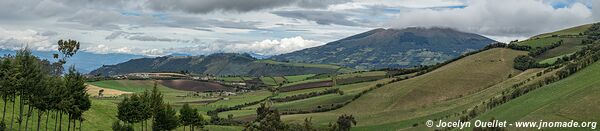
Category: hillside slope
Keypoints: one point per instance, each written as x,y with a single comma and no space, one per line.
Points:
429,93
391,48
220,64
573,98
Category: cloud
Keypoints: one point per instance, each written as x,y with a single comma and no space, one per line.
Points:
18,39
320,17
596,9
264,47
498,18
96,18
150,38
275,47
207,6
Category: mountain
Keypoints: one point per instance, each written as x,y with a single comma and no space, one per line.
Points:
391,48
259,56
83,61
221,64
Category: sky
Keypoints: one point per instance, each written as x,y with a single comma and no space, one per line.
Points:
267,27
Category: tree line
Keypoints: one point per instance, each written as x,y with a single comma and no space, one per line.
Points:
269,119
306,95
40,89
149,107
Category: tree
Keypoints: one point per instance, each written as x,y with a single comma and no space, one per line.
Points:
524,62
268,119
41,98
165,119
186,117
68,48
189,117
7,83
117,126
29,79
128,110
146,109
79,100
345,122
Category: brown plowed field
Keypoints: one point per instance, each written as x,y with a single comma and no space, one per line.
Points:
190,85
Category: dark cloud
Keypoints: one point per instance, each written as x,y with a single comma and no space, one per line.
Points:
199,23
320,17
150,38
510,18
207,6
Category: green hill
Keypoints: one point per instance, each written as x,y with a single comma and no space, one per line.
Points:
571,38
443,90
574,98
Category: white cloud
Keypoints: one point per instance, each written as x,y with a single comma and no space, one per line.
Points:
264,47
18,39
498,18
274,47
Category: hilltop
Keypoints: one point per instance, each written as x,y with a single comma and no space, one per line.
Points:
391,48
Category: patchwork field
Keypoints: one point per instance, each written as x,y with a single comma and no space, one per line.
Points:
406,100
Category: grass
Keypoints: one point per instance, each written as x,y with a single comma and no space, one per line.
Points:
540,42
553,59
138,86
327,66
223,128
451,88
570,45
237,100
268,81
341,76
312,103
99,117
569,31
231,79
298,77
573,98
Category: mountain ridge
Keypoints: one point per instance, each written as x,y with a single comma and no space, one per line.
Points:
391,48
220,64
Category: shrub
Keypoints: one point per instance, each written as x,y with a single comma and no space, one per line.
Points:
117,126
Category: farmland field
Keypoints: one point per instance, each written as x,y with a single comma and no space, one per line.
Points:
540,42
197,86
573,98
390,104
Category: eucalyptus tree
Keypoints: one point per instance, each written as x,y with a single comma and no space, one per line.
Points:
189,117
29,79
79,100
7,83
165,119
